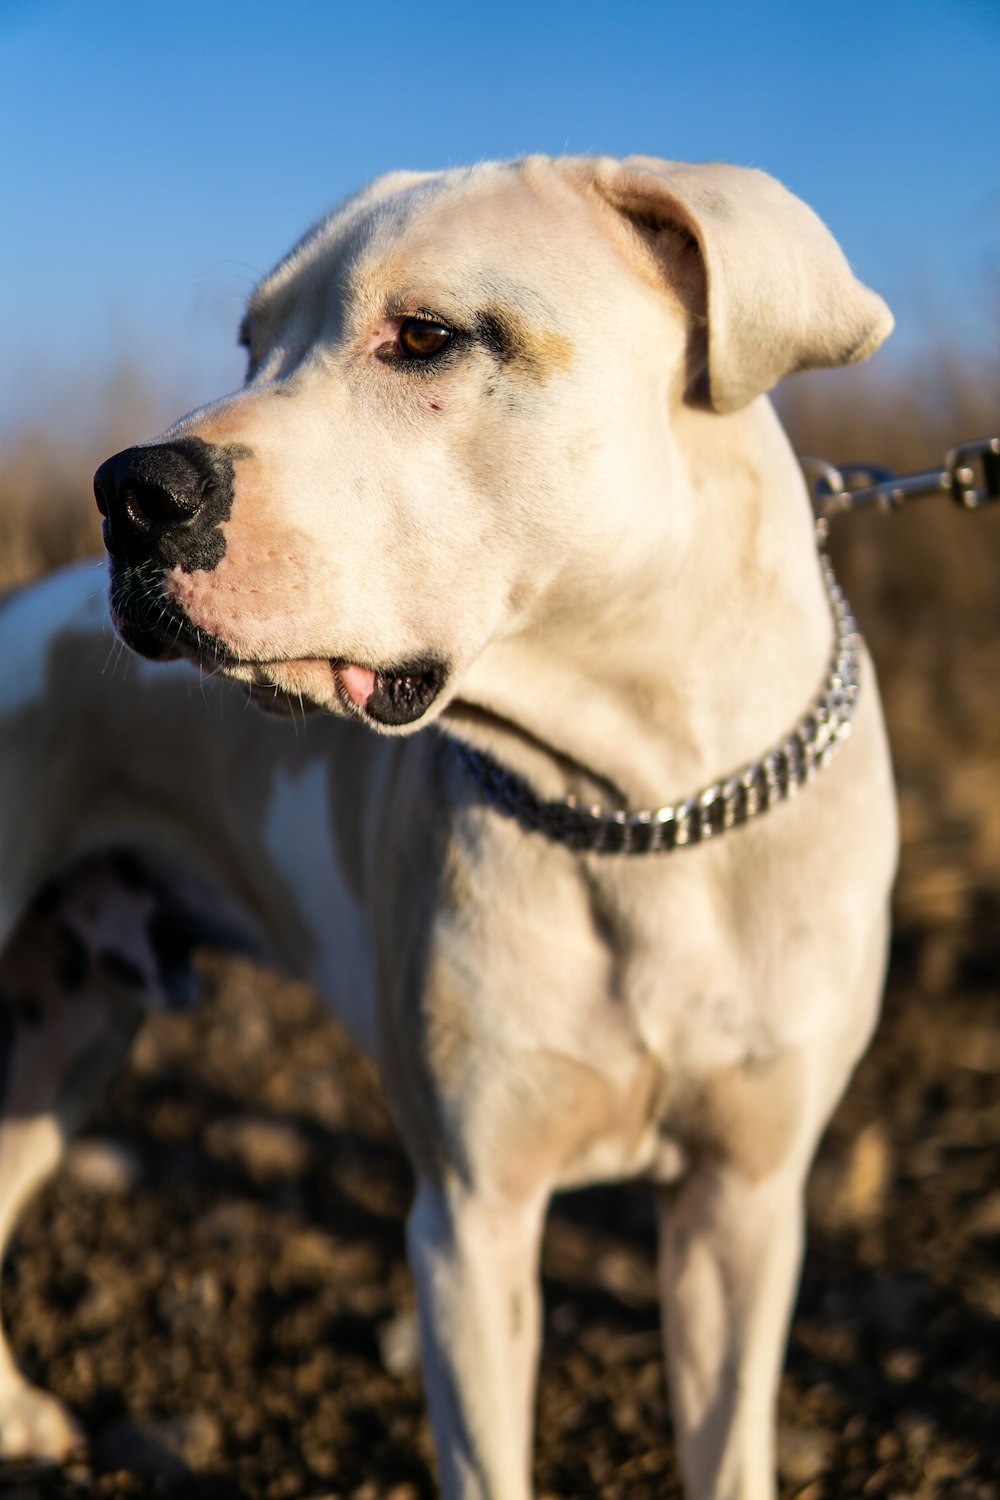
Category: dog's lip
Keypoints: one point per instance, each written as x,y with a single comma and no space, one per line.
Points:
392,697
145,639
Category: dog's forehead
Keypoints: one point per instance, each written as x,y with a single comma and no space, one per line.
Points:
462,232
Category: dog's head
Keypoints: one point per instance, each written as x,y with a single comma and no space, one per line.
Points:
458,402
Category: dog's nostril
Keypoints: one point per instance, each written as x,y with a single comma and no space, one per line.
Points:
133,510
147,504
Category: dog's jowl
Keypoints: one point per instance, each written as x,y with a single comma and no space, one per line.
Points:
588,831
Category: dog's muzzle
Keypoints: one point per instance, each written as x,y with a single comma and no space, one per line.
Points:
163,508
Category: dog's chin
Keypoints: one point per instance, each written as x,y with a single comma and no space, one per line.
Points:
147,643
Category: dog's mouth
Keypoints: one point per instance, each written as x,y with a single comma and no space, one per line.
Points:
389,696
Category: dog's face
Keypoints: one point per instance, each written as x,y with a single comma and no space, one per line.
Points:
419,465
416,462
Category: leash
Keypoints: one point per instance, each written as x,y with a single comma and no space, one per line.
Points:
970,477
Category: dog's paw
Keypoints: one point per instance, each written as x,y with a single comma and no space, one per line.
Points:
36,1428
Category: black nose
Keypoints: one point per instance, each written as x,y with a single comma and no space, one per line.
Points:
143,491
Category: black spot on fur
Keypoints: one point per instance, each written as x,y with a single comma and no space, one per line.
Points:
46,900
6,1043
130,871
150,624
29,1009
92,1070
121,968
174,933
72,959
166,503
199,546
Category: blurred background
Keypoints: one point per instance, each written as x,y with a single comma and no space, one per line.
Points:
156,159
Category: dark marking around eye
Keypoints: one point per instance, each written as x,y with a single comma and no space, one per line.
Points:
537,353
29,1009
72,961
121,968
496,334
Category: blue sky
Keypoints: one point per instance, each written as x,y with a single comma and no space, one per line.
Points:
155,158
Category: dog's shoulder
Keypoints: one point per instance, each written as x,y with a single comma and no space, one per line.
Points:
38,619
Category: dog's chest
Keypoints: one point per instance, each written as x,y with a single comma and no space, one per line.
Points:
589,1028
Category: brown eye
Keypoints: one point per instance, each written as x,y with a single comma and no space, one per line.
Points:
421,338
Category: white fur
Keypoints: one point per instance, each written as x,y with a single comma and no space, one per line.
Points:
300,800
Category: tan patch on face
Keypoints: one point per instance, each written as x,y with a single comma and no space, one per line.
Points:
749,1114
234,422
536,353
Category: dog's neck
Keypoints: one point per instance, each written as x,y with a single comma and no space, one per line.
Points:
694,666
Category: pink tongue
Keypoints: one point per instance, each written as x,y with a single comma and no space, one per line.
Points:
358,683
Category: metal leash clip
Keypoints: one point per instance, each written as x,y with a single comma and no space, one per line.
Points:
971,477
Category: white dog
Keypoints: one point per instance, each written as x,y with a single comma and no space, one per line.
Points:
502,465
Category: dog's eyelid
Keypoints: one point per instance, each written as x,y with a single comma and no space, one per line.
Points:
400,312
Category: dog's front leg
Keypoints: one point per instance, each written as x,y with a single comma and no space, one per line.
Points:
730,1252
475,1261
68,1011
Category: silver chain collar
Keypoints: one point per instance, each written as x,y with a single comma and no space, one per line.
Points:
745,795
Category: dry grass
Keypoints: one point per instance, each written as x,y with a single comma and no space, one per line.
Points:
47,512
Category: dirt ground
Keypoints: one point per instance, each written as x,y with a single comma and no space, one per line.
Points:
216,1282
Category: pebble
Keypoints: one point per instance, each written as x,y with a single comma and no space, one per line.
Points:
985,1221
268,1149
399,1344
159,1450
904,1364
861,1193
803,1453
103,1166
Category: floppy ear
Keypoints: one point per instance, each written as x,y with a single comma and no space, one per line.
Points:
780,294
